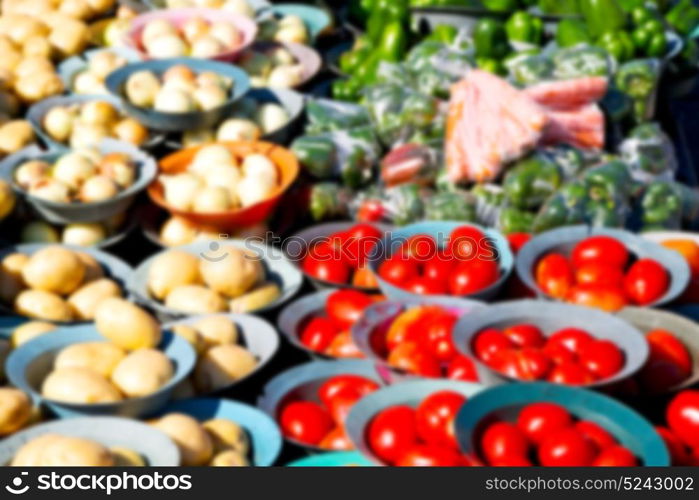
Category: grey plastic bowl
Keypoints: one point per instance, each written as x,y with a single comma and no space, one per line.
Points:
177,122
686,331
309,58
255,334
551,317
154,446
293,316
38,112
297,246
277,269
505,402
65,213
290,100
69,69
114,268
408,393
302,382
29,364
564,239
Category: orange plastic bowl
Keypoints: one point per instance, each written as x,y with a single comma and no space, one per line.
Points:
285,161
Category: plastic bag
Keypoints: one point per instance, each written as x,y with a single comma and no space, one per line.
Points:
639,79
451,206
649,152
666,204
325,115
329,200
389,73
411,163
399,205
489,199
581,61
531,181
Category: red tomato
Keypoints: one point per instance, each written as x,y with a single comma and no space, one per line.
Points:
425,286
607,298
343,347
532,364
361,240
466,243
340,408
438,336
595,433
558,353
517,241
404,327
540,420
344,386
371,211
336,440
554,276
462,368
525,335
679,452
572,339
473,276
615,456
566,448
392,433
682,416
419,248
602,358
365,278
345,307
570,374
669,362
305,422
488,342
397,270
439,268
504,441
435,418
595,273
430,456
600,249
413,359
646,282
507,362
326,268
318,334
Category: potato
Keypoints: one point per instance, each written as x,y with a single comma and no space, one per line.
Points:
126,324
70,37
171,270
178,231
30,330
37,46
33,88
54,269
15,135
51,450
142,372
227,435
195,339
84,234
229,458
223,365
124,457
195,299
217,330
100,357
93,269
15,410
190,437
232,274
44,305
260,297
11,282
79,385
84,301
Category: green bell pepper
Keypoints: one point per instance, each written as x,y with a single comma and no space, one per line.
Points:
531,181
513,220
328,200
527,70
524,27
559,7
352,59
619,44
347,90
393,43
384,13
609,181
500,5
572,32
639,79
443,33
578,62
564,208
603,16
491,65
490,39
683,17
316,155
360,10
661,206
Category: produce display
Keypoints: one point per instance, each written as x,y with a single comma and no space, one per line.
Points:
150,206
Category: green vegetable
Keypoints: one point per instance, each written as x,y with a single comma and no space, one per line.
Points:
683,17
657,47
500,5
347,90
316,155
570,160
393,42
564,208
603,16
383,13
326,115
513,220
559,7
361,9
531,181
648,150
608,181
661,206
638,79
456,206
572,32
490,39
443,33
524,27
352,59
577,62
328,200
491,65
619,44
405,202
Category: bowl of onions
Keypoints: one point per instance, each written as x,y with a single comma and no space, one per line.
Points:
80,185
226,185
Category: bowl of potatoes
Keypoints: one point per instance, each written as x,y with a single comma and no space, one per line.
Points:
219,432
280,65
230,349
85,74
122,365
213,277
90,442
81,185
180,93
82,121
59,283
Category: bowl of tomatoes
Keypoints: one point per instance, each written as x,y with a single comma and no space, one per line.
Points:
411,424
442,259
413,338
529,340
603,268
681,428
543,424
311,402
336,254
320,323
673,362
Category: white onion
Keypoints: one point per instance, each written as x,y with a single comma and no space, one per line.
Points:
181,189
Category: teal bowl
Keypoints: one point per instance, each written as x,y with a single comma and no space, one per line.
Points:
334,459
